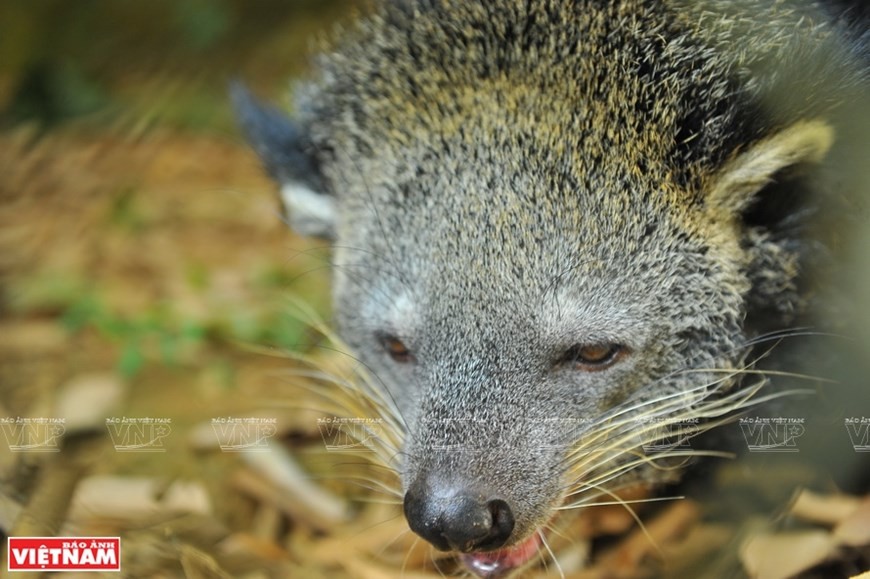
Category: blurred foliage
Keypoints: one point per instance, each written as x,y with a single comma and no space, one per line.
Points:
94,72
63,60
163,331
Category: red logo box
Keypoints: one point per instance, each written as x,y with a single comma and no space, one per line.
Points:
64,553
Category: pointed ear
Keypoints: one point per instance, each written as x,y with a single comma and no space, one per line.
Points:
735,187
290,158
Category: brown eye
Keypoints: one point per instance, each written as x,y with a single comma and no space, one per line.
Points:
593,357
394,347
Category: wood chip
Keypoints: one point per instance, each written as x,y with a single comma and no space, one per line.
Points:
364,569
701,541
268,492
200,565
670,525
247,545
32,337
87,400
779,556
9,511
828,510
49,503
316,505
132,498
854,530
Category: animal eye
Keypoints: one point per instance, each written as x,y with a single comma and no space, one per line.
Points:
395,348
593,357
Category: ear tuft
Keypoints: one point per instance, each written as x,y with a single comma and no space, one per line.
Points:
750,171
309,212
290,159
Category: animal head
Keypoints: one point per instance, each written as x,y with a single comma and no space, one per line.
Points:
546,232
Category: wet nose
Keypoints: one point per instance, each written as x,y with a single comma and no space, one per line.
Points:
453,517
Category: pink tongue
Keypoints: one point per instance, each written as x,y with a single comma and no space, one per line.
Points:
499,563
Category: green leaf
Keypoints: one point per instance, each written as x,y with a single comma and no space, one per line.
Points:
131,360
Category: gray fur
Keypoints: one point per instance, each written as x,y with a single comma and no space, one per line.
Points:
514,178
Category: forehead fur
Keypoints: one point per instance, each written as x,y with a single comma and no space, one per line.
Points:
667,89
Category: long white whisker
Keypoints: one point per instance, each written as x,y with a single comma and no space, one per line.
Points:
583,504
552,554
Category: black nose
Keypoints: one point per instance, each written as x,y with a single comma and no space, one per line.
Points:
457,519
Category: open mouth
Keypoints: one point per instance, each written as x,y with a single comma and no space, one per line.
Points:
500,563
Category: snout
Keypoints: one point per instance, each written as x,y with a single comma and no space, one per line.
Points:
456,516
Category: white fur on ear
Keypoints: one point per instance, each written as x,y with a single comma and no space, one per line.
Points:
747,173
309,212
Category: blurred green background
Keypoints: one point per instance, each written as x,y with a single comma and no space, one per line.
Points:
143,254
134,216
158,62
